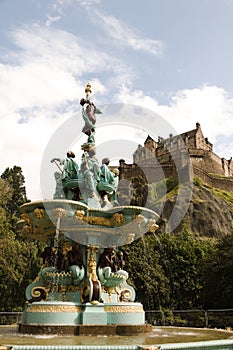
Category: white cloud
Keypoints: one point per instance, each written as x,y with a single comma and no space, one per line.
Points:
87,3
59,49
51,20
127,36
209,105
49,69
23,145
121,32
58,5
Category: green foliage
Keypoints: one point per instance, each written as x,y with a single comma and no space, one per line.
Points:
197,181
14,179
227,196
218,274
18,259
158,190
5,197
146,273
182,263
167,270
18,266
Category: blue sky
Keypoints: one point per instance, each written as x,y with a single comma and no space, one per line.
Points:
173,57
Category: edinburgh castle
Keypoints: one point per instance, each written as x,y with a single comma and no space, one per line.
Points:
181,157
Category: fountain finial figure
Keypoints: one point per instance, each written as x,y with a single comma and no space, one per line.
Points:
88,90
89,112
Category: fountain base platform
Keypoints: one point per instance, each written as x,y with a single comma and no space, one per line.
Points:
82,330
73,318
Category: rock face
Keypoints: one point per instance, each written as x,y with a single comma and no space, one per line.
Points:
209,214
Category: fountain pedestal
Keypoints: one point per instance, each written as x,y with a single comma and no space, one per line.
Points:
76,318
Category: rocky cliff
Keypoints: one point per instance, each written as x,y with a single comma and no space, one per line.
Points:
209,213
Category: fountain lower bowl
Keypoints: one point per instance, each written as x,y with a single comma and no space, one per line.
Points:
115,226
162,338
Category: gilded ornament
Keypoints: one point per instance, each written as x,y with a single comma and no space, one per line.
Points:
118,218
151,225
63,289
25,217
56,308
39,213
125,309
138,219
59,212
130,238
39,292
88,89
97,220
79,214
125,295
27,229
92,264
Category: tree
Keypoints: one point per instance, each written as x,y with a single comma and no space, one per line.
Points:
15,180
5,197
19,262
219,276
167,270
182,259
146,274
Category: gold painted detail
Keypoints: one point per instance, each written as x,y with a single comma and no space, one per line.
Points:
92,263
57,308
124,295
59,274
25,217
79,215
116,220
27,229
39,292
151,225
130,238
88,89
138,219
59,212
39,213
123,309
26,225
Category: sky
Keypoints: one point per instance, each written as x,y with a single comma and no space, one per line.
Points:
173,57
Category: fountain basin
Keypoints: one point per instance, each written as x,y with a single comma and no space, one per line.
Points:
116,226
162,338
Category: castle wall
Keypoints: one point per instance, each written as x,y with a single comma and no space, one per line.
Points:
225,184
217,165
207,161
202,142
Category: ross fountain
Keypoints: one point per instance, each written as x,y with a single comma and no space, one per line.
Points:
82,287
